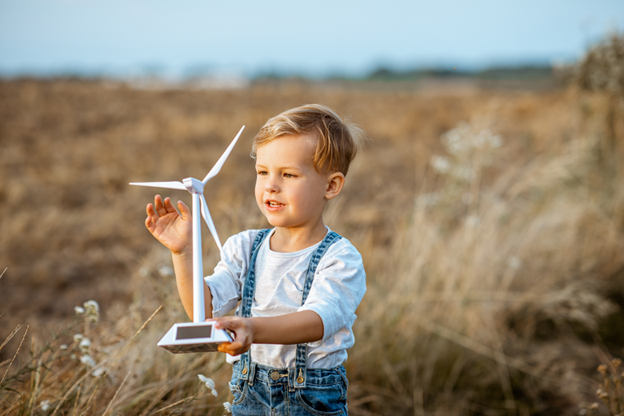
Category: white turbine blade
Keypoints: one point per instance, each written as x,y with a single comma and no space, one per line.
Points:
217,167
208,219
168,185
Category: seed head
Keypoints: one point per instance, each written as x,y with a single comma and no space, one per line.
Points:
92,310
209,384
602,369
85,345
87,360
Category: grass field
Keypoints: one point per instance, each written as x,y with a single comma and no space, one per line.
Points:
490,222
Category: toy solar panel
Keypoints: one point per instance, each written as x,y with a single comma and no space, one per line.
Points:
193,337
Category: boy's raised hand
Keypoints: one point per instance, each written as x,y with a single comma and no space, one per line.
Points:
172,228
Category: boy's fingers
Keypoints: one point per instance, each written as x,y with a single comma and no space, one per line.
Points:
159,206
219,321
149,223
150,210
226,323
151,217
185,212
232,348
169,206
226,347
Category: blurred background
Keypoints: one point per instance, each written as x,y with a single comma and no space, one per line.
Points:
487,202
247,39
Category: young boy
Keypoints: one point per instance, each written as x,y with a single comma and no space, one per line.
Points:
298,284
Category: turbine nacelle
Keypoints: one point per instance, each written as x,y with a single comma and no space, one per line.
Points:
194,186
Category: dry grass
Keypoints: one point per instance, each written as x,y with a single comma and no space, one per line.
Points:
494,275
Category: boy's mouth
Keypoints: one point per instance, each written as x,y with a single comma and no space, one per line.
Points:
274,204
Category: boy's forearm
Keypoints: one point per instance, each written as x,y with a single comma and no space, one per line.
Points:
183,266
292,328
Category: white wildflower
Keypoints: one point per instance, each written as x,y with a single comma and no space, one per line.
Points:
209,384
73,356
63,346
228,407
143,271
85,345
78,337
514,262
456,141
99,371
463,140
87,360
495,141
472,221
45,405
92,305
92,310
441,164
79,310
166,271
465,172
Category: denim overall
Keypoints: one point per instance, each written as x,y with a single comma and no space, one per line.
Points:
267,391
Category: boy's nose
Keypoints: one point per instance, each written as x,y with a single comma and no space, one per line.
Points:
270,186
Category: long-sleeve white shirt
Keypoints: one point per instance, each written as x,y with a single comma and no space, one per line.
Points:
339,285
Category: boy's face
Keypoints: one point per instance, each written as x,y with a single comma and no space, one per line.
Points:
289,191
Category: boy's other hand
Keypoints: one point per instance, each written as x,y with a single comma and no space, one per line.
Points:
243,334
172,228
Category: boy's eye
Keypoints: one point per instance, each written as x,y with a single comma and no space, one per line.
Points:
289,175
262,172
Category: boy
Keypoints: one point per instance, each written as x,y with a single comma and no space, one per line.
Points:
299,284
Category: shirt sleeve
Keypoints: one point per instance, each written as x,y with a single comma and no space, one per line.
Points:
227,280
338,288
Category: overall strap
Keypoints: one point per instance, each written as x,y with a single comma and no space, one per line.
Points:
249,288
302,349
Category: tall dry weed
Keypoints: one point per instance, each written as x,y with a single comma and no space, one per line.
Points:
480,273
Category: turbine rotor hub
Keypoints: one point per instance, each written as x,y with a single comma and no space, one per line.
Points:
194,186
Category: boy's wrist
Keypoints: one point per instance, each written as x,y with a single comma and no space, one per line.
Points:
251,329
186,251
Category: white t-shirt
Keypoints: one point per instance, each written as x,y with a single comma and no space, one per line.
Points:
339,285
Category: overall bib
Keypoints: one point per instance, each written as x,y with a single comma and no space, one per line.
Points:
266,391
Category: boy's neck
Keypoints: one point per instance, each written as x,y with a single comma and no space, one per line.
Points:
291,239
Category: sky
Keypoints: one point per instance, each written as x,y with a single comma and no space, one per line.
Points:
313,38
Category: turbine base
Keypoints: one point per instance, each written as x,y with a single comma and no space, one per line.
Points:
193,337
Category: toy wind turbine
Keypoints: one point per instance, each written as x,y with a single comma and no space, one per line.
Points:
198,336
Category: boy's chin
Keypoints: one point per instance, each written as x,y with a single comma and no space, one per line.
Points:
277,222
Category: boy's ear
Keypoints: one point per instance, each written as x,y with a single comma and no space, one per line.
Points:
335,182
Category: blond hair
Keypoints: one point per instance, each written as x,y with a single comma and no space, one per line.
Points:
336,143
